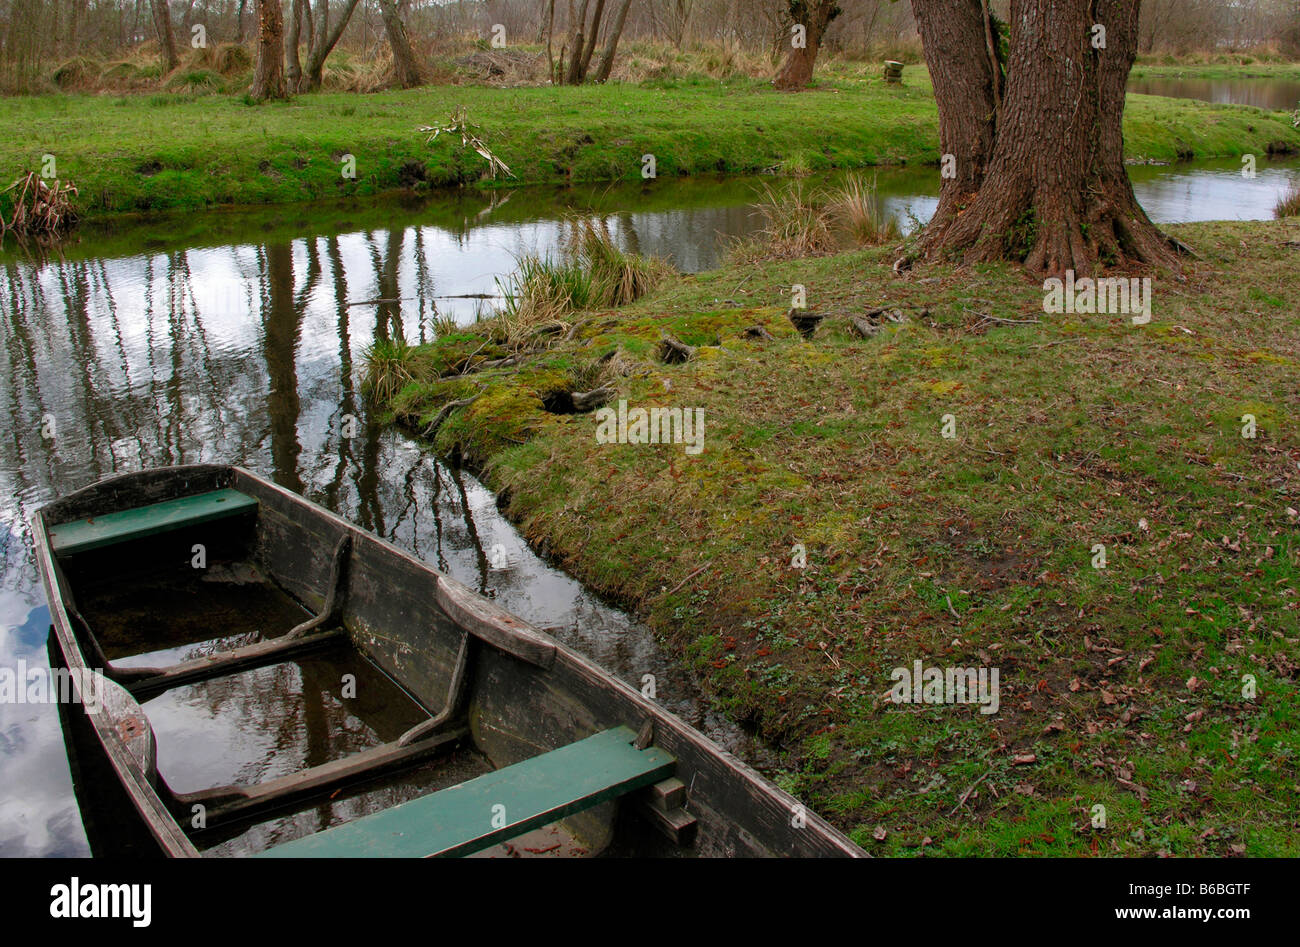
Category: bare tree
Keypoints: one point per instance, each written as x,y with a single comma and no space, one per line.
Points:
405,69
809,20
268,76
611,43
322,37
162,21
583,38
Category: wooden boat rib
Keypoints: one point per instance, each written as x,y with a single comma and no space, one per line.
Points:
566,742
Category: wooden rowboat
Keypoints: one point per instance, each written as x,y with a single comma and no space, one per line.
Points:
565,747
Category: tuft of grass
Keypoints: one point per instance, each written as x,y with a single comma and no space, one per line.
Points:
545,292
617,277
542,292
444,324
1288,204
794,225
78,73
389,368
854,206
231,59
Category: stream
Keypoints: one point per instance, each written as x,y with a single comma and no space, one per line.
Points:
238,336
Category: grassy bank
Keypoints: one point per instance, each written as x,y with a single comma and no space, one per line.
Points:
169,151
1244,67
1121,686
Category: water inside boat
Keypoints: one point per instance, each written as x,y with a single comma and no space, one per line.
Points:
252,725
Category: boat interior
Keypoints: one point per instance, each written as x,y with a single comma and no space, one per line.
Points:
261,680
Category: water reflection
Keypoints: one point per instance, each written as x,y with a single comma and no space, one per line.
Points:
245,353
236,337
1276,94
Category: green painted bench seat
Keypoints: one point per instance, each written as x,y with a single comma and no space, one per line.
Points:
459,820
123,525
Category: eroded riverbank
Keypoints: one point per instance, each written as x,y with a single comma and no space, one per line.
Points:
937,491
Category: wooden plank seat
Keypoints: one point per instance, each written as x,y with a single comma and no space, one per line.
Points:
123,525
496,806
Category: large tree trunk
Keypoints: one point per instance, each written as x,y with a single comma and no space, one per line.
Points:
1053,191
268,77
405,70
814,16
611,45
162,21
954,37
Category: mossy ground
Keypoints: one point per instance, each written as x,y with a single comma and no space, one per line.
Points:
1120,687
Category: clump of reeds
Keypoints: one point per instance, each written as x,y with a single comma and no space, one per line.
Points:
854,206
543,295
799,221
388,368
616,277
794,225
37,208
1288,204
445,324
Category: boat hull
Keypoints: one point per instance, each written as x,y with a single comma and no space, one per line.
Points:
519,692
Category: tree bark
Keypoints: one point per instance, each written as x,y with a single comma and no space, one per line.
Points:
591,42
405,69
953,37
550,33
1052,191
268,76
577,24
325,40
611,46
814,16
162,21
293,72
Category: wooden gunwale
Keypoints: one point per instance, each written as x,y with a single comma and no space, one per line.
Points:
724,781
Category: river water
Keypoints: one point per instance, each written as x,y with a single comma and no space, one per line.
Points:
238,337
1276,94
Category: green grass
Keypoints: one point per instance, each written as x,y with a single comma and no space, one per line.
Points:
188,149
1154,68
1120,687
